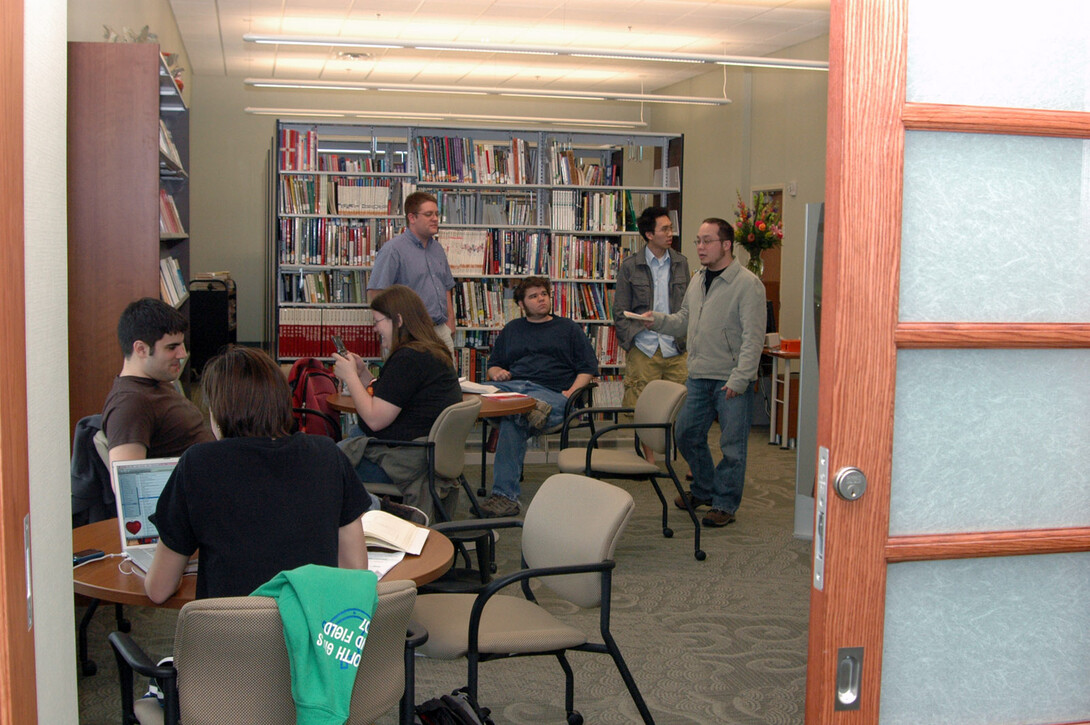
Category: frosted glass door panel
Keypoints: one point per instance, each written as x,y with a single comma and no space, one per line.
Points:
993,640
988,53
988,440
995,229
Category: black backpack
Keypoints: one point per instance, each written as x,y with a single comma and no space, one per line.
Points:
457,708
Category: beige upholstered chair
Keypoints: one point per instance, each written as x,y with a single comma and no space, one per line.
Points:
568,537
102,446
231,664
653,425
445,448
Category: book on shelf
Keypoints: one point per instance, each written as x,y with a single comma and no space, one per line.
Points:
386,531
308,331
298,150
166,145
465,249
170,221
172,285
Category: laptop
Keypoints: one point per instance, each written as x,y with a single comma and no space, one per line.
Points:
138,485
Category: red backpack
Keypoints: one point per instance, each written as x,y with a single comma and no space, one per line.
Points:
311,383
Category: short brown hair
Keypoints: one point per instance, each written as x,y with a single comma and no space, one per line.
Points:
530,282
417,199
415,330
247,394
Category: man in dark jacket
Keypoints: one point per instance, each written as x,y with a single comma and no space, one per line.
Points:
655,278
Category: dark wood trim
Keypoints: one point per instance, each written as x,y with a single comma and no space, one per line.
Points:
923,335
984,119
926,547
18,691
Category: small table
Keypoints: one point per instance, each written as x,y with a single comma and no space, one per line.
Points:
780,408
103,580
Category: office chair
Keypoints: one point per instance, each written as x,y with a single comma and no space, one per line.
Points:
315,422
231,664
653,425
568,538
445,449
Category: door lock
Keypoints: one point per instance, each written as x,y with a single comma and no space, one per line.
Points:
850,483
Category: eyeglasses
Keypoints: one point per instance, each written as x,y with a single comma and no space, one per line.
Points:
698,241
427,214
381,319
666,229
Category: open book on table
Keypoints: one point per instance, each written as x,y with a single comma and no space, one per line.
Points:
387,531
468,386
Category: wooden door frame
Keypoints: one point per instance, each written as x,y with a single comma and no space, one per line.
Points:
868,117
18,693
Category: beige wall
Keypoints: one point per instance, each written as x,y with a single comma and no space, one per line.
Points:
46,263
772,134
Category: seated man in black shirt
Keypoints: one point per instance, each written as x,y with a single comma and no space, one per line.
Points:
258,500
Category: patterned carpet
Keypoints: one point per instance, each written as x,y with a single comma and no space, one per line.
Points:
718,641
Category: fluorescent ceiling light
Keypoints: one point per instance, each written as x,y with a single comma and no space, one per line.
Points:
492,90
468,117
582,52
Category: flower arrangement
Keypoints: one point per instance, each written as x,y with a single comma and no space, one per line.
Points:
757,229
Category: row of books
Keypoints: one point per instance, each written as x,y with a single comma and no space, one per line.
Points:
475,338
460,207
581,258
298,150
609,393
170,222
333,241
382,162
172,286
484,303
309,331
465,249
460,159
565,168
166,145
604,340
472,363
331,286
582,301
598,211
343,195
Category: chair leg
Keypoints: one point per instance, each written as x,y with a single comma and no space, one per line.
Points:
86,664
123,625
667,532
629,681
482,492
697,551
477,513
569,684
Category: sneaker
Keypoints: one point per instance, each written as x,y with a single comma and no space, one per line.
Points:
539,416
717,517
404,511
696,502
496,506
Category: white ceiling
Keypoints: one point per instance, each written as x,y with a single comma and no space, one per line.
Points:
212,31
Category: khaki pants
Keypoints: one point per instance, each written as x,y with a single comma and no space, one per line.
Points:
640,370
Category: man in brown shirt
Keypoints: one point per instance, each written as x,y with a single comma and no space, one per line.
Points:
144,415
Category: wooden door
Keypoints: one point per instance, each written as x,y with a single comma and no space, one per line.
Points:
954,367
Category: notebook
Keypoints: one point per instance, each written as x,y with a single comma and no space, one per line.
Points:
138,485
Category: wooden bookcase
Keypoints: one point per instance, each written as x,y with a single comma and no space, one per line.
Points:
117,95
527,221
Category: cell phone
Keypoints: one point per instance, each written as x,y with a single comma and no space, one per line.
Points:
339,344
86,555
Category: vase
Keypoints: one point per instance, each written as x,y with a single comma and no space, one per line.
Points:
756,264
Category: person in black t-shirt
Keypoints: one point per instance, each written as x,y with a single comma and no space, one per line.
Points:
258,500
418,382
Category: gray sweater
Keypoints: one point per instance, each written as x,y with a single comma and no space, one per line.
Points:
725,329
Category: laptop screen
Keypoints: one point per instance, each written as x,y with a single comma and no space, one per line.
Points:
139,484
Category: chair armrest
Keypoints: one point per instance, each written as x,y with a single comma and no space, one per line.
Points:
393,443
130,657
579,413
592,444
520,576
504,522
415,636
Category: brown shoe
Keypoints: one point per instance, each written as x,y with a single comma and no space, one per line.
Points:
717,517
496,506
696,502
539,416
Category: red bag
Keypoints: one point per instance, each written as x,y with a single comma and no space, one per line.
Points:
311,384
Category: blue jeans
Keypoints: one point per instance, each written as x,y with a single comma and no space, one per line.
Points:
515,431
707,401
373,473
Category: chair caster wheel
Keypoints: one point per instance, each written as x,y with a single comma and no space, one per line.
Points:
89,668
481,493
124,626
700,555
575,718
668,533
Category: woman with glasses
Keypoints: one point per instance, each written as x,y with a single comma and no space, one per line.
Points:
418,382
